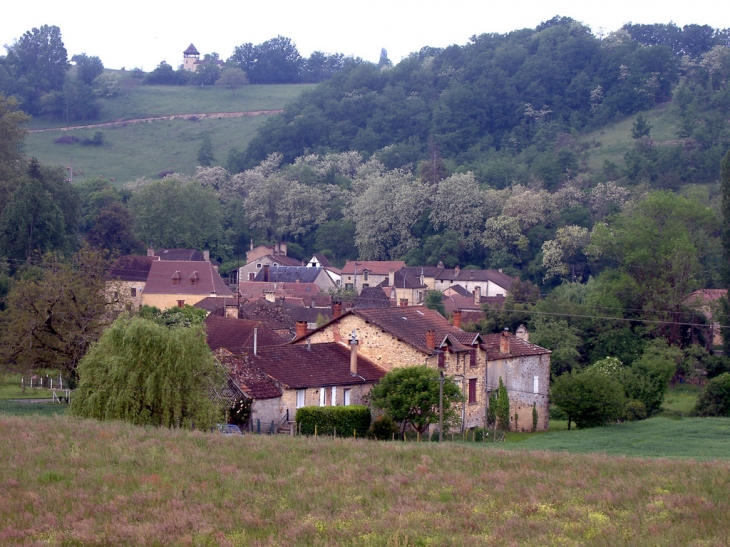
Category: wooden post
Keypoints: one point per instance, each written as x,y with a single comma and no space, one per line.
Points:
354,433
315,430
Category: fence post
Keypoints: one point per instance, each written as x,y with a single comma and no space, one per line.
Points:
271,428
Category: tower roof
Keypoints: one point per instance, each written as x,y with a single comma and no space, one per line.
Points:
191,50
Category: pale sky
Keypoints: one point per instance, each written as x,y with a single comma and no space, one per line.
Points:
141,34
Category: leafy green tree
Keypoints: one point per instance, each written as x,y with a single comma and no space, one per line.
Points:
715,397
725,303
647,379
434,301
187,316
12,135
232,78
146,374
56,316
175,213
410,395
205,152
112,230
87,68
589,398
563,339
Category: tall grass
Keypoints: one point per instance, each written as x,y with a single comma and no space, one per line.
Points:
67,482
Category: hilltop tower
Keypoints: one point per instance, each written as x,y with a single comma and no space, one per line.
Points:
190,58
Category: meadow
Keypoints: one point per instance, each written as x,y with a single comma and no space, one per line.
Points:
70,482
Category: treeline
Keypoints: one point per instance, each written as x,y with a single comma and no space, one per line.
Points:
509,106
275,61
36,71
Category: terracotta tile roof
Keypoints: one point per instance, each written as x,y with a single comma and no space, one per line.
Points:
317,365
131,268
249,378
310,315
376,267
216,304
162,272
518,347
280,290
236,335
272,316
466,303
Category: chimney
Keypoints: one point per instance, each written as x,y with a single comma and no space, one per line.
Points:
150,251
255,341
282,248
206,255
301,329
504,342
440,264
477,295
391,278
430,339
522,333
266,273
457,319
353,354
336,310
403,302
457,270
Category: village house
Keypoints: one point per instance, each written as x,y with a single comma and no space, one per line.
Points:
260,256
173,283
408,336
359,274
404,289
296,274
127,278
487,282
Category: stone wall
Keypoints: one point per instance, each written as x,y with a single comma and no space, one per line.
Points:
165,301
518,375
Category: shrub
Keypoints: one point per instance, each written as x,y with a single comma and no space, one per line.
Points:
634,411
715,398
343,419
383,428
67,139
589,398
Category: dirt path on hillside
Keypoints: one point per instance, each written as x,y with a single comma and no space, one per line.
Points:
122,123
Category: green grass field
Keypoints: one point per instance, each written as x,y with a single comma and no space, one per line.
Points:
68,482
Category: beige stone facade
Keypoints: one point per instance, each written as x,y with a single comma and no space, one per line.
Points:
165,301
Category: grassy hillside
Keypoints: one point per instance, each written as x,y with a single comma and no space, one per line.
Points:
75,482
136,150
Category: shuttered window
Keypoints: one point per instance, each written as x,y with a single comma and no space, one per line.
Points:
472,390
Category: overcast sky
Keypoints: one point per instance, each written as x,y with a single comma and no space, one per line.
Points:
141,34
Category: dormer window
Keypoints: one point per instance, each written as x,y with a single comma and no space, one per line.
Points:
176,278
194,278
365,275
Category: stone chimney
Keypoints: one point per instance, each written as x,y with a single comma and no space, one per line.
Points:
353,354
522,333
266,273
430,339
504,342
457,319
206,255
403,303
477,295
336,310
440,264
457,270
150,251
391,278
301,329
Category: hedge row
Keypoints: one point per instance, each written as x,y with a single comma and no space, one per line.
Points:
344,419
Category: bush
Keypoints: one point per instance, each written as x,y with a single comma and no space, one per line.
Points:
67,139
343,419
634,411
715,398
589,398
383,428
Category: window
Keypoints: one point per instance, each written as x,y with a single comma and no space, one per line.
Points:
365,275
258,265
348,286
473,358
133,292
472,390
442,360
181,303
535,385
346,397
322,400
365,285
300,397
334,396
251,276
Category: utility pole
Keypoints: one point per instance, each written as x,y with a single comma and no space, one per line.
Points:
441,405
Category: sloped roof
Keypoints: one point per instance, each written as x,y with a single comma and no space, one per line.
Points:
258,288
310,315
517,347
316,365
428,271
131,268
249,377
495,276
376,267
452,303
159,280
289,274
236,335
280,259
272,316
191,50
461,291
371,297
323,260
404,280
216,304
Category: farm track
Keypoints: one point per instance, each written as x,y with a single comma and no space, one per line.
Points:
122,123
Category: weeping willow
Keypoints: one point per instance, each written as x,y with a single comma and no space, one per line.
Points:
147,374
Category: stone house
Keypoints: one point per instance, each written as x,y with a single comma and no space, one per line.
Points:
404,289
359,274
281,379
176,283
296,274
127,278
259,257
483,282
409,336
